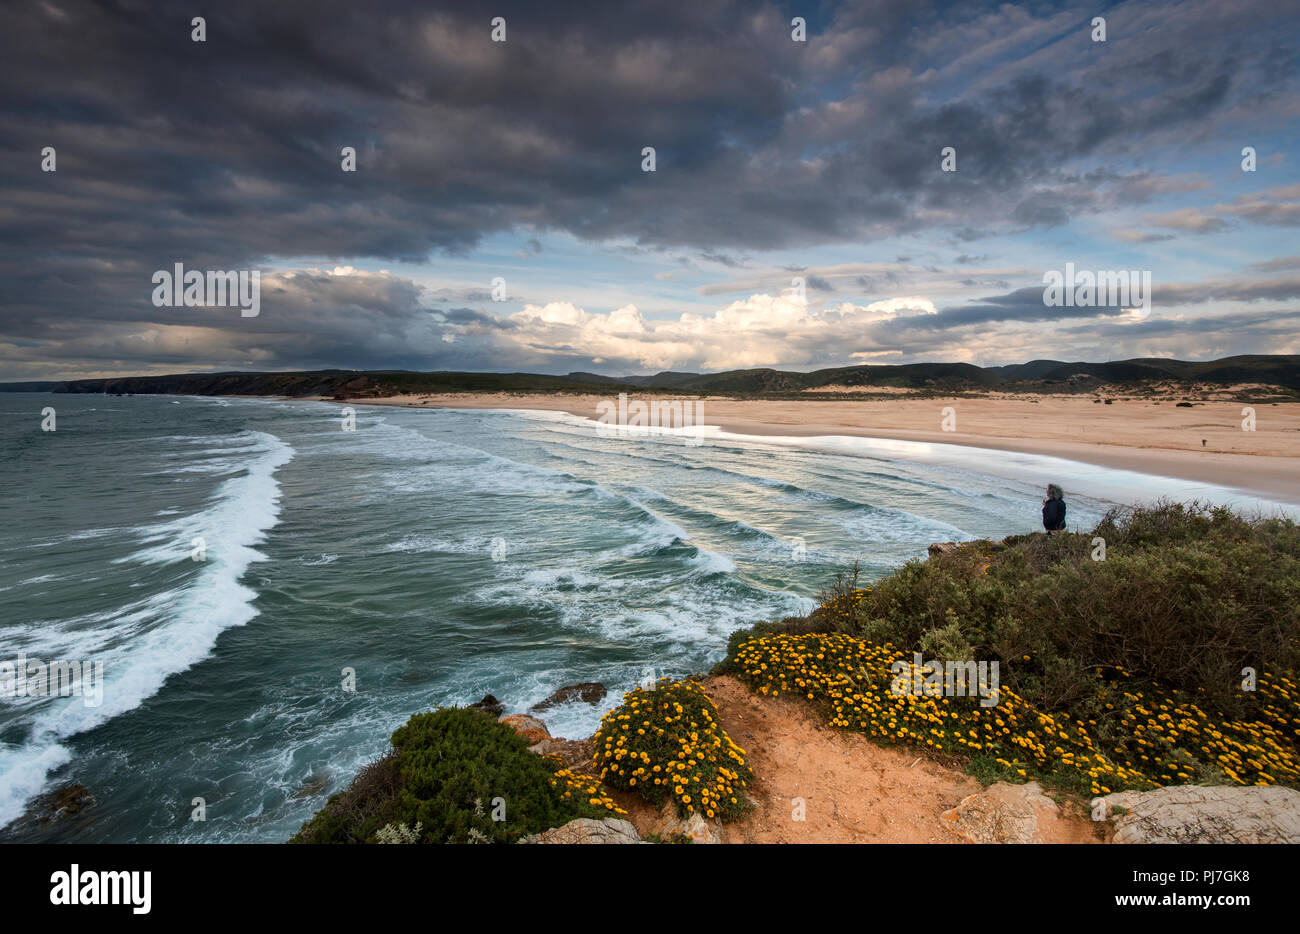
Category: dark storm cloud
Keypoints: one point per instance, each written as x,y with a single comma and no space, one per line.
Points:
1157,326
1282,288
225,154
1027,304
1021,305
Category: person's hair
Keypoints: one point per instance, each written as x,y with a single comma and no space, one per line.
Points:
1055,492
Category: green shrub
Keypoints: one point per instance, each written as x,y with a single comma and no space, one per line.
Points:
1188,595
447,774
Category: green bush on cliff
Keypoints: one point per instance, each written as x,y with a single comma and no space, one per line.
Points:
449,773
1188,595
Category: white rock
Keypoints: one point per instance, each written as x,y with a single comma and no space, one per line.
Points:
588,830
1201,814
1002,813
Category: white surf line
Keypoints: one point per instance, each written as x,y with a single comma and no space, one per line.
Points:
1095,481
1115,485
195,615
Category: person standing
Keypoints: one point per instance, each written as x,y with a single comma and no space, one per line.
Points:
1054,509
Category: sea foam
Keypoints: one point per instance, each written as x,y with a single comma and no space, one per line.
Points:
179,630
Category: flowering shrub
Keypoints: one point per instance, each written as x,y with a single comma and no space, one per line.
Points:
583,788
843,604
666,743
1118,737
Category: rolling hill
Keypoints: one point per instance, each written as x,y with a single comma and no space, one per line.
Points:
1281,371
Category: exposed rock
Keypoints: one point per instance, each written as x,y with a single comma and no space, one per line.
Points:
1002,813
490,706
699,830
1198,814
314,784
695,826
981,546
589,692
530,728
588,830
575,753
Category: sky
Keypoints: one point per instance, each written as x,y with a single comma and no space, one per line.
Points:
500,216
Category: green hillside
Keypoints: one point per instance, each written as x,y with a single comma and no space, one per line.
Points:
1281,371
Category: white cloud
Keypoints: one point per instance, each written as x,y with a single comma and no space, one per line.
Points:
761,330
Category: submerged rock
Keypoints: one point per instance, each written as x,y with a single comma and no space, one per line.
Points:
1198,814
67,801
589,692
313,785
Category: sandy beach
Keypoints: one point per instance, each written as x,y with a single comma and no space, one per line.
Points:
1154,437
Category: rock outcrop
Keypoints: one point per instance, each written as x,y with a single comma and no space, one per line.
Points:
588,830
490,706
575,753
696,827
1003,813
530,728
1199,814
589,692
943,548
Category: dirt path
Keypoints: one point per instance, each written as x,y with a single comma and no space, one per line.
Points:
853,790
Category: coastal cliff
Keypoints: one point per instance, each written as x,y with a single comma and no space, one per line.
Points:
1146,692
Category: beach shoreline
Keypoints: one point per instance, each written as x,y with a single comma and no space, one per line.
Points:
1152,437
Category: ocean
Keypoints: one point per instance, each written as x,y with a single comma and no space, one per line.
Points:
236,565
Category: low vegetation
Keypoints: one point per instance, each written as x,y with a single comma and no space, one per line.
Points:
666,742
1187,595
456,776
1167,658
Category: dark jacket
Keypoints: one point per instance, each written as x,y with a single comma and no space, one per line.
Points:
1054,515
